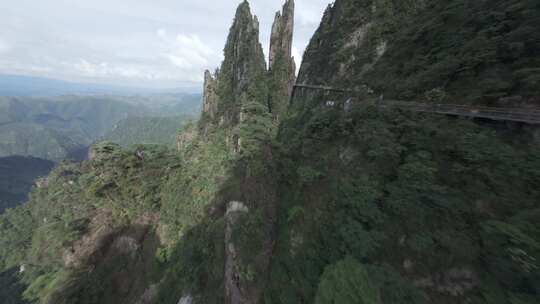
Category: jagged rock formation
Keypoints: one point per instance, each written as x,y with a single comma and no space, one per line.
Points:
210,96
239,84
282,33
236,82
246,101
243,88
282,68
368,205
106,246
233,288
405,50
342,49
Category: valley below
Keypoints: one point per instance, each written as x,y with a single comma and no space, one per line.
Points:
327,184
36,133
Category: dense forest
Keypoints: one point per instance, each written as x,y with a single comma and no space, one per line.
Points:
147,130
278,197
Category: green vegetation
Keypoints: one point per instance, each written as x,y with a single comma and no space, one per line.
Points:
346,282
128,184
497,44
474,52
146,130
52,128
365,205
411,197
239,86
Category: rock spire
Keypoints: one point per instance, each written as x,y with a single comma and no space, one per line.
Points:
282,68
235,83
282,33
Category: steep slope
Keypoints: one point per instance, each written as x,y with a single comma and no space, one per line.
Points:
424,205
242,95
381,205
281,65
123,208
356,204
239,81
481,52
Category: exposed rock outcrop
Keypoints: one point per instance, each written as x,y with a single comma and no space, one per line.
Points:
243,79
187,299
455,282
106,243
210,99
243,66
282,32
87,250
239,82
186,137
233,289
150,295
282,67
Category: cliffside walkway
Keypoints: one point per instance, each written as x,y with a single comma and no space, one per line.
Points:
529,116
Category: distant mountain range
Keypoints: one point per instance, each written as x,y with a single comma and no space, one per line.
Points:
37,132
19,85
44,121
54,127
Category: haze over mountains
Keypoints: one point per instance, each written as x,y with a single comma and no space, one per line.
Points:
44,120
52,127
20,85
333,186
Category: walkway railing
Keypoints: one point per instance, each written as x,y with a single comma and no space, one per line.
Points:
530,116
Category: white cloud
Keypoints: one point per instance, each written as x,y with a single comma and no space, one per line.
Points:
309,17
179,61
190,51
187,53
297,57
104,69
165,43
4,47
161,33
310,12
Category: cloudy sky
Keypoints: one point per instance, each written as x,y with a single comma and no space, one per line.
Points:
147,43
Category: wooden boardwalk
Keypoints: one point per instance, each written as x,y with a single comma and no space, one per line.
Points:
529,116
321,88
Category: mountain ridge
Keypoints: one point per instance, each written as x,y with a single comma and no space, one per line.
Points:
28,86
323,204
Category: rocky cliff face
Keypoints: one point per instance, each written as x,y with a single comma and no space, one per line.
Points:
282,67
210,101
235,84
243,89
405,50
367,205
482,52
239,84
282,32
245,101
